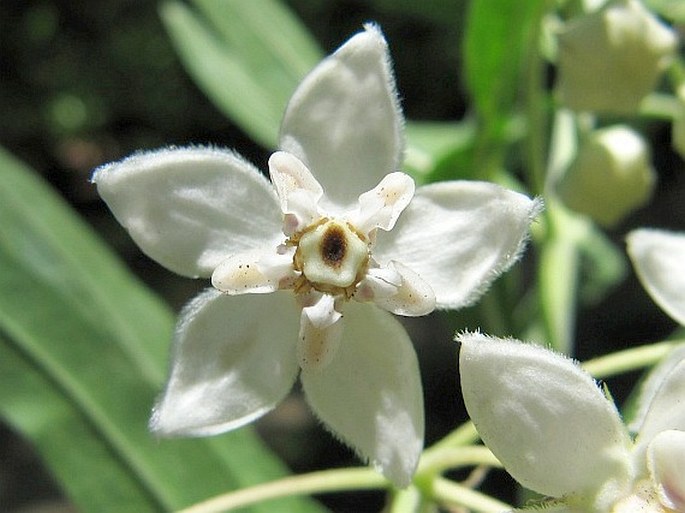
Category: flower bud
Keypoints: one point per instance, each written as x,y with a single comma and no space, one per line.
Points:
609,60
610,177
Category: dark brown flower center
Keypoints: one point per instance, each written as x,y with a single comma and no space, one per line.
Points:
333,246
331,256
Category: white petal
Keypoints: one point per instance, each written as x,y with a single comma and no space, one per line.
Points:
297,189
666,410
379,283
666,457
659,260
459,236
382,206
320,333
255,272
344,120
370,394
189,208
233,361
651,384
544,418
397,289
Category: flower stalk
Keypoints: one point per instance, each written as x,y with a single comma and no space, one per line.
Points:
349,479
629,360
324,481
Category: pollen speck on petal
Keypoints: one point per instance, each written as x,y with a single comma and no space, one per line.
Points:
381,206
297,189
397,289
254,272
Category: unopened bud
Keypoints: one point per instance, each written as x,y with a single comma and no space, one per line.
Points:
610,177
609,60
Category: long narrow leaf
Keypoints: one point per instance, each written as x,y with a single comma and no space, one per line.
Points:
494,49
248,57
36,406
270,39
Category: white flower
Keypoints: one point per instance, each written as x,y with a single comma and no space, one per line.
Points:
610,59
302,264
610,176
556,433
658,257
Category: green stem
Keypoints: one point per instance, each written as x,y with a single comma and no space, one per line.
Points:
492,308
303,484
661,106
535,100
449,492
408,500
629,359
676,75
434,462
465,434
558,276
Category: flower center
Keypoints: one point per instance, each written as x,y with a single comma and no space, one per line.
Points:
332,256
333,246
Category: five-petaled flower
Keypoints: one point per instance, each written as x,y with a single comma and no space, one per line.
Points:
556,432
289,258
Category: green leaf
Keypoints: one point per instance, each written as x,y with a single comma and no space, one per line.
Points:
673,10
446,151
431,144
602,266
248,57
498,40
266,34
35,405
83,352
497,35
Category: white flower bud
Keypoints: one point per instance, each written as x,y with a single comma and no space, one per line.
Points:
610,177
611,59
